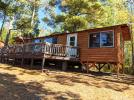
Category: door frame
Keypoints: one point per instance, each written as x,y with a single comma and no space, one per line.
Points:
68,39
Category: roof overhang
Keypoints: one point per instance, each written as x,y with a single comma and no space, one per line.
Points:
125,29
126,32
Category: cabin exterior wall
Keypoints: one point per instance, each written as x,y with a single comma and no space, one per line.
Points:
103,55
97,54
111,54
120,45
62,39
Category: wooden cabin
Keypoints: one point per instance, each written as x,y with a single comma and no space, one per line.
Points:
91,47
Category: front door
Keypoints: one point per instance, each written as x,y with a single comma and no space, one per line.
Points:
72,43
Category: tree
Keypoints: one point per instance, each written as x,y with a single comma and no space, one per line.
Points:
130,7
85,14
11,11
119,12
34,7
36,30
25,15
75,14
3,36
8,8
115,12
27,20
3,7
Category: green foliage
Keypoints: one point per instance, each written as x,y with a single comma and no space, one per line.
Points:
28,18
13,34
3,36
24,24
84,14
74,23
128,54
76,14
24,12
36,30
115,13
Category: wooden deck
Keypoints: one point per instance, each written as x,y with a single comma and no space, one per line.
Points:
40,51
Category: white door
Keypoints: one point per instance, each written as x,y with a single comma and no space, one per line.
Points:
72,43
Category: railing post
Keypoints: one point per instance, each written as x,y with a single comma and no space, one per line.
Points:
64,65
22,60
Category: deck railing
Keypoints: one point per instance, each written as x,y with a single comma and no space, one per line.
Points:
42,48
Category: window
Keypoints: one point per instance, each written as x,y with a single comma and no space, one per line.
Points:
55,40
72,41
101,39
51,40
106,39
37,41
95,40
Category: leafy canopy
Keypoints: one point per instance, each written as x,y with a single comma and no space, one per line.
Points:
75,14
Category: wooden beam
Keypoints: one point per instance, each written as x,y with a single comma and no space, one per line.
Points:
22,61
118,70
14,61
64,65
31,65
43,63
122,68
99,67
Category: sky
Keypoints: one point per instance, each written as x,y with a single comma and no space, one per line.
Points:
0,19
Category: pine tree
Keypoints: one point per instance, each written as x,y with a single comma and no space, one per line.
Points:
75,14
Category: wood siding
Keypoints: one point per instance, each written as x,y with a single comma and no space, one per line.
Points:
96,54
108,55
120,49
62,39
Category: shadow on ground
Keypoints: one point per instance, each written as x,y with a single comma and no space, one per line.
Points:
11,89
105,80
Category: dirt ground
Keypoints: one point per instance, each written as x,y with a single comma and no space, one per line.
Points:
22,84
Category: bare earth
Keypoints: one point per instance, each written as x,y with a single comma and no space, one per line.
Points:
22,84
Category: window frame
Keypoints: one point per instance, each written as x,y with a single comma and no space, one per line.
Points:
68,39
89,39
99,32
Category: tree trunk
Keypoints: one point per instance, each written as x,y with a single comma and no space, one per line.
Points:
7,37
3,22
131,31
132,45
33,14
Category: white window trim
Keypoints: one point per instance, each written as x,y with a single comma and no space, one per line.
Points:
71,35
100,39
